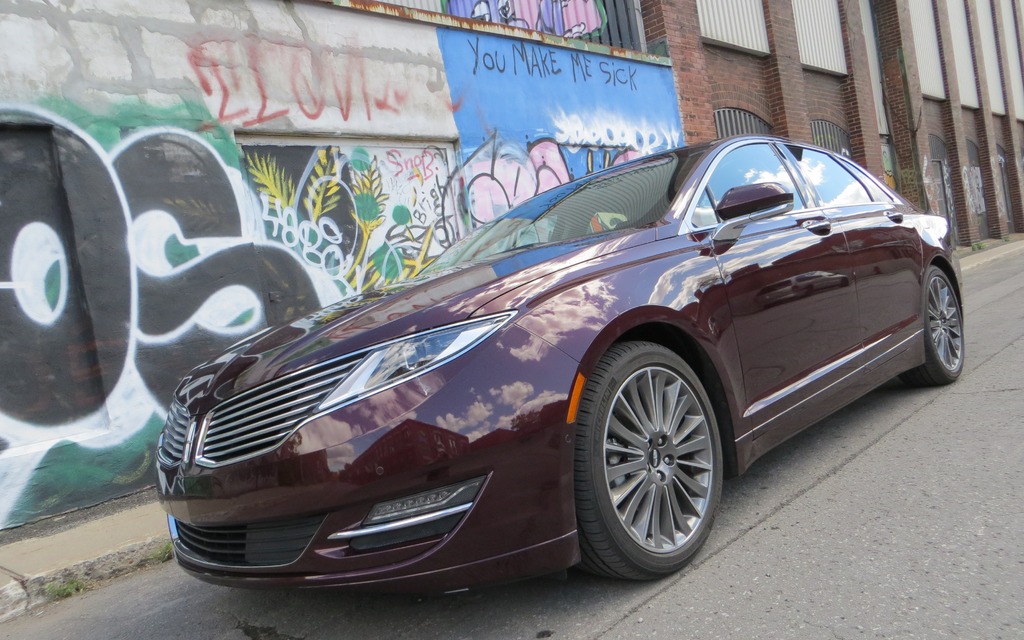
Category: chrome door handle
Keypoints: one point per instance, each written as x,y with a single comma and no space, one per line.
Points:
819,226
895,216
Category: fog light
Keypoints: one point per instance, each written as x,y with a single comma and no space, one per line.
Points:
436,500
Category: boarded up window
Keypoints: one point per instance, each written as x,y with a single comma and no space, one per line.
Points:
926,46
737,23
819,33
831,136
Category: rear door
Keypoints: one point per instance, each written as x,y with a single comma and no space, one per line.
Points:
884,247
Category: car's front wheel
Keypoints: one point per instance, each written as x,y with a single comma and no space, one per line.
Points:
648,464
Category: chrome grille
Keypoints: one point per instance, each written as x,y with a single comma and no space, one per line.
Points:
260,419
172,445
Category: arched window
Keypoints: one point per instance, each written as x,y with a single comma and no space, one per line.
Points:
830,136
734,122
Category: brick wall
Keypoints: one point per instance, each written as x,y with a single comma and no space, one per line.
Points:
737,81
823,96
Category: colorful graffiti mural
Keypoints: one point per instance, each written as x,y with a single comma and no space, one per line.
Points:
135,243
363,216
569,18
161,255
533,116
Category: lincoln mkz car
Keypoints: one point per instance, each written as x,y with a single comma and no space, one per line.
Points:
568,384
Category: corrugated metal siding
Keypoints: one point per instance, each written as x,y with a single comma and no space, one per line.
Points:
1013,55
736,22
990,52
874,64
831,136
820,34
734,122
967,80
926,45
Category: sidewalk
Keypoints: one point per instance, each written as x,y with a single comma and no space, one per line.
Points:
101,548
88,553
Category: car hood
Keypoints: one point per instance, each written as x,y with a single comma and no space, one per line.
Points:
402,309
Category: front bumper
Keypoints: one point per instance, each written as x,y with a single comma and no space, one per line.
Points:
495,413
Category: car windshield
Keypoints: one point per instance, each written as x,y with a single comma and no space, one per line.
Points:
630,198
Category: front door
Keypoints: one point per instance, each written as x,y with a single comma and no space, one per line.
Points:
790,290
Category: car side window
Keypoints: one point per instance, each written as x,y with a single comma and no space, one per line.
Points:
704,213
629,200
749,164
834,183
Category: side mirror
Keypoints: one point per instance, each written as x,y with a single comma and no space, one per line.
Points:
747,203
769,198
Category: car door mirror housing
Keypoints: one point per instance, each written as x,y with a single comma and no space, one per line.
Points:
765,198
748,203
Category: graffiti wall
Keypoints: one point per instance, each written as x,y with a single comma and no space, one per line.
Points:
360,216
569,18
533,116
154,213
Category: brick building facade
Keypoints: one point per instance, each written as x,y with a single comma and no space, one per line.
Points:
748,66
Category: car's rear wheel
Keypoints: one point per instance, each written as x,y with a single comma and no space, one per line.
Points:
943,334
648,464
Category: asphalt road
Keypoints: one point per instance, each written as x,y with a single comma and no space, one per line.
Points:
902,516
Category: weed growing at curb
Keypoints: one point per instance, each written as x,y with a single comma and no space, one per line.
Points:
163,553
59,589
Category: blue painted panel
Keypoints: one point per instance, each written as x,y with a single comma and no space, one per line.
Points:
531,116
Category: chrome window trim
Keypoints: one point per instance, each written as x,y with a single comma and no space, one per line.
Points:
863,175
694,195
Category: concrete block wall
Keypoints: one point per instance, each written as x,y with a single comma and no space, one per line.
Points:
178,175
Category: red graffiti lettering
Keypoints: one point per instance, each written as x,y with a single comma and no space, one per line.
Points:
419,167
258,82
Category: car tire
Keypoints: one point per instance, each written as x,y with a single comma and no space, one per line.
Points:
648,474
943,334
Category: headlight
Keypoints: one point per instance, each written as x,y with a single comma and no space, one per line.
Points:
394,362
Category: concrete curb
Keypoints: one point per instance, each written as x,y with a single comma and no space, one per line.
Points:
91,553
21,596
972,259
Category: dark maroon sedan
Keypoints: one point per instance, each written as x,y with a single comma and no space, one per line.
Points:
568,384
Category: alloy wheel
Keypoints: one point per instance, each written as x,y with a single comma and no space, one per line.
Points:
658,459
944,323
